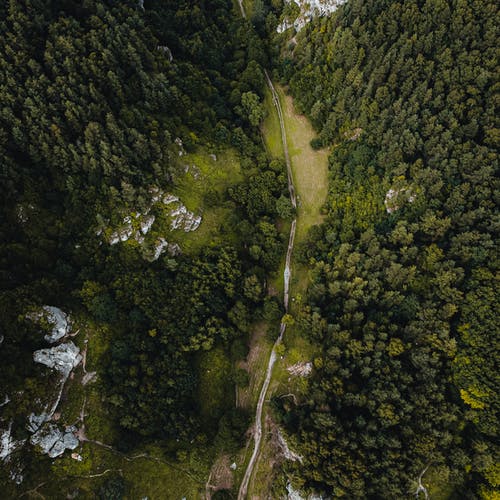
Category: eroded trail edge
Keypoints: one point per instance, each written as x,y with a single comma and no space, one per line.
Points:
257,435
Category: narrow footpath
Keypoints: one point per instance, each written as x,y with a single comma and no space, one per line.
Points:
257,435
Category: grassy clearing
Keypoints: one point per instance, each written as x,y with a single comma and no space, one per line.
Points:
215,388
202,190
271,128
309,167
256,364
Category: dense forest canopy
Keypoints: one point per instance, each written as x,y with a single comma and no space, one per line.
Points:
94,96
403,300
102,101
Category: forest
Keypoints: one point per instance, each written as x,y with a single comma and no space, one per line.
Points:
94,96
103,106
403,300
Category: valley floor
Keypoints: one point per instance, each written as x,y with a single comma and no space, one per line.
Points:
310,181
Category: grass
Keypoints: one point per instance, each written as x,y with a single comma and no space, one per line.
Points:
271,128
309,167
207,177
214,392
310,175
153,477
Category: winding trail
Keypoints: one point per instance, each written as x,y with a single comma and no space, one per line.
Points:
257,435
242,493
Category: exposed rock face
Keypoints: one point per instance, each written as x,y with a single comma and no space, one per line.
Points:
179,143
36,421
294,494
162,246
287,452
166,50
146,223
309,9
53,442
63,357
59,320
7,443
51,439
392,197
180,219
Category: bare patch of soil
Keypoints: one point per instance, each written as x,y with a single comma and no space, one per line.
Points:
256,357
221,476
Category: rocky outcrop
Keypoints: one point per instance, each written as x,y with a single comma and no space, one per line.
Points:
294,494
395,197
183,219
162,246
140,225
309,9
7,443
285,449
53,442
62,358
58,320
300,369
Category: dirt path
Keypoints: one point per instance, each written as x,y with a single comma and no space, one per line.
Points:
257,434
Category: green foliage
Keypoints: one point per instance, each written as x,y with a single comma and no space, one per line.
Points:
93,95
112,489
252,108
402,300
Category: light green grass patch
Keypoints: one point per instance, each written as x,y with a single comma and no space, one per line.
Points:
271,130
216,392
309,167
202,189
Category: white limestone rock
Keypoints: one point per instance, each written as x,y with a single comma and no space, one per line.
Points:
294,494
62,358
160,247
392,197
169,198
53,442
300,369
36,421
182,218
22,216
287,452
309,9
166,50
16,476
146,223
7,443
58,319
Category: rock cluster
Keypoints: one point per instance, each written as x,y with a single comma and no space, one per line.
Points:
394,196
140,225
57,319
53,442
309,9
62,358
301,369
7,443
